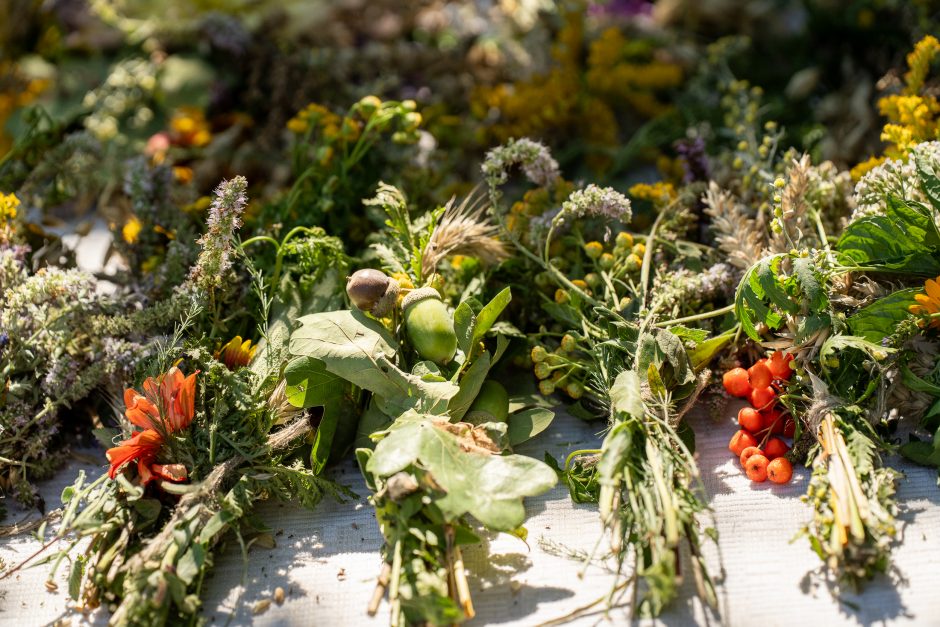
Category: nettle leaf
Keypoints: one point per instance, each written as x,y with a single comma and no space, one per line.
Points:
904,240
764,291
767,275
749,306
488,487
810,283
880,319
811,325
838,342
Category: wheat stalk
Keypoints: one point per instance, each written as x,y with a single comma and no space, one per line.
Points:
464,230
737,233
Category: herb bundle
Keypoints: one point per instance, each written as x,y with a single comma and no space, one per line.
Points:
418,372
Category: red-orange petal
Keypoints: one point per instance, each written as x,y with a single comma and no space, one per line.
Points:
142,446
140,410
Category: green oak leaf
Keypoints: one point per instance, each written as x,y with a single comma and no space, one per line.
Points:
488,487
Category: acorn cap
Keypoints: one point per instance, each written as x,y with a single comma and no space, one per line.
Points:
388,301
416,296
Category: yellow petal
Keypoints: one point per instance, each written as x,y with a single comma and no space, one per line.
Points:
933,289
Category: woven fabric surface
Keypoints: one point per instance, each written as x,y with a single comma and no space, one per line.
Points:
326,560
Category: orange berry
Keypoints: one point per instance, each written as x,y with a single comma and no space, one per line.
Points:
780,470
746,454
775,448
740,441
735,381
750,419
763,398
789,427
759,375
779,365
771,419
756,468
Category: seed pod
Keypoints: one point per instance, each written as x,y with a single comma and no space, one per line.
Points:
429,325
373,291
490,405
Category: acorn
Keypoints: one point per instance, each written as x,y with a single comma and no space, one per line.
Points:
373,291
429,325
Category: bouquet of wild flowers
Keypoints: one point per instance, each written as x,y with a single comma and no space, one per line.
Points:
198,450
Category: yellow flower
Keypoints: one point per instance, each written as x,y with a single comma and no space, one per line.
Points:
297,125
593,249
131,230
8,206
865,167
658,193
919,60
928,303
190,127
237,353
183,174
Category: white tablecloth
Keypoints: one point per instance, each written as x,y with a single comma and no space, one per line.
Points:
327,560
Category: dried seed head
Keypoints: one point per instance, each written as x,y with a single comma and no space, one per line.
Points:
373,291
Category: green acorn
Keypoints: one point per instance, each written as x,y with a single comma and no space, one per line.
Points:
490,405
429,325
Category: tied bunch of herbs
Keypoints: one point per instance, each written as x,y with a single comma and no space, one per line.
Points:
850,310
212,444
436,433
608,350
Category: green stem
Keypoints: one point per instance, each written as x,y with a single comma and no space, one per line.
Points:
260,238
578,453
701,316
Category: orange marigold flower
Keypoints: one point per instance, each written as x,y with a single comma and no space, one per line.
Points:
929,302
166,406
237,353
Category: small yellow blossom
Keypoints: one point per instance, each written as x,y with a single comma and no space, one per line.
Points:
8,206
183,174
190,127
658,193
131,230
297,125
